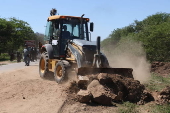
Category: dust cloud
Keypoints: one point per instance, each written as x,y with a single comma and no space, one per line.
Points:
71,77
129,55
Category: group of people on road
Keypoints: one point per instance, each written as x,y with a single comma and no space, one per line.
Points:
30,54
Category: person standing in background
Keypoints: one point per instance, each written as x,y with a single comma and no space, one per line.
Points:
26,55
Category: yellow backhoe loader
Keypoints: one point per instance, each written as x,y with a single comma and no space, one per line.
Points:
69,46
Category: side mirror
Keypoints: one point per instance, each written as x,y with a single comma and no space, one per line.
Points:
91,26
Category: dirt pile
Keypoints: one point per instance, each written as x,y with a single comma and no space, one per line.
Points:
106,89
164,96
162,68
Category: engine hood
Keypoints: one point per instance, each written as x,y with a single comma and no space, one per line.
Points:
84,42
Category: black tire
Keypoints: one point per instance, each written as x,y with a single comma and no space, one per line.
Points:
43,65
61,71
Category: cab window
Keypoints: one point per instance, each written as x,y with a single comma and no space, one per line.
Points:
48,31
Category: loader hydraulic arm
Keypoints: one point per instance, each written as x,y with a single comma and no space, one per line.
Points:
97,62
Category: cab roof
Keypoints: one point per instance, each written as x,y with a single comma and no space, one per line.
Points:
63,16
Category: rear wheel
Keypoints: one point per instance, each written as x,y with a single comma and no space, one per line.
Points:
61,71
43,65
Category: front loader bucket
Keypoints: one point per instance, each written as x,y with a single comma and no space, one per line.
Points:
127,72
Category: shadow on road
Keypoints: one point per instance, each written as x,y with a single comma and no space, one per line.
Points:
50,76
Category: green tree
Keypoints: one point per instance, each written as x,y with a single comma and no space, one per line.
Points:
6,31
13,32
153,32
39,38
22,32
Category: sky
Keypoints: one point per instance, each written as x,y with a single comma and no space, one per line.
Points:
106,15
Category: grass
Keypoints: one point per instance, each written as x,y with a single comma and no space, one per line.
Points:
157,82
5,57
128,107
160,108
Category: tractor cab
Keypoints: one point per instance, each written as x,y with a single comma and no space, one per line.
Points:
60,29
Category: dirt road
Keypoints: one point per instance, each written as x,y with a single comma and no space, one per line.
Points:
23,91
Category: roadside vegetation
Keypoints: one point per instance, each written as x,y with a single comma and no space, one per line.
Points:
157,82
4,57
128,107
13,32
149,38
153,33
160,108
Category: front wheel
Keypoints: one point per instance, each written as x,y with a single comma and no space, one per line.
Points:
43,65
61,71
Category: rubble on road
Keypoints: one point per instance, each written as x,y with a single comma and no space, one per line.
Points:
101,95
84,96
104,89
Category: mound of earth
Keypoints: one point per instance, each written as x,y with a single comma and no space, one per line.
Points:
162,68
164,96
106,89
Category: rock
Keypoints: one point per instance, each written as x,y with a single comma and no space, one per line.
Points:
104,79
82,82
164,95
165,91
141,102
119,96
84,96
146,97
101,94
159,97
93,84
131,89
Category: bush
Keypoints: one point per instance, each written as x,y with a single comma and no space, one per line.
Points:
4,57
